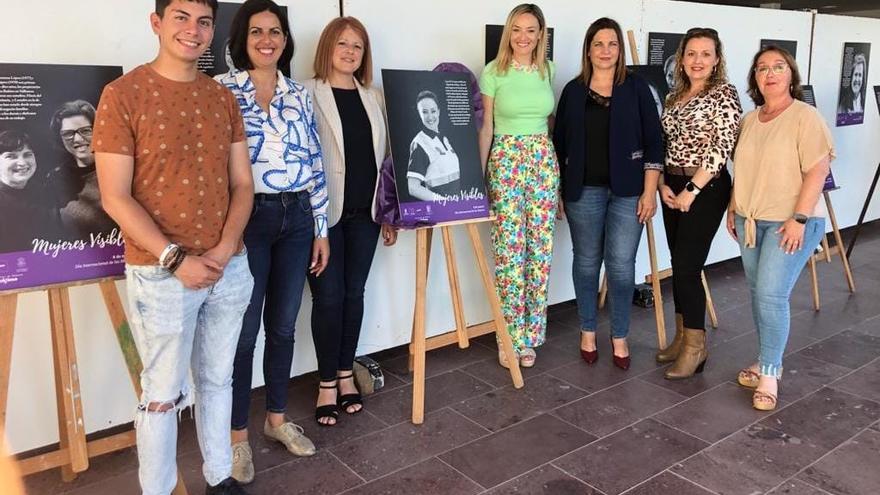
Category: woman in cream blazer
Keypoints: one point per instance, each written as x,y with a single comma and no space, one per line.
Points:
352,129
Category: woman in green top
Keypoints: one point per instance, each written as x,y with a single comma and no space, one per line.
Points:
523,176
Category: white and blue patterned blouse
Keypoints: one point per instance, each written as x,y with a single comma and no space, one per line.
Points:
283,145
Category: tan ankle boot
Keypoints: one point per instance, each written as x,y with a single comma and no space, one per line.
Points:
669,354
692,357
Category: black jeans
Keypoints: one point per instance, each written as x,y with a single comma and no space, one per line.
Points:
279,239
338,293
690,236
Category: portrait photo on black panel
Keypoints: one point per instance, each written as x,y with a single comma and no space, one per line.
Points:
853,84
434,145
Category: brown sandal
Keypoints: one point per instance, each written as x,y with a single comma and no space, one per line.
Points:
763,401
748,378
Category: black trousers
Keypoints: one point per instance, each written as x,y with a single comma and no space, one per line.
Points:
338,293
690,236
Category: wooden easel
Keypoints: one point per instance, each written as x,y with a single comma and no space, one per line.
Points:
828,252
461,335
74,452
649,279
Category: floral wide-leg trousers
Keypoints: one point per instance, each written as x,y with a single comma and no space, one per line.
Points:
523,181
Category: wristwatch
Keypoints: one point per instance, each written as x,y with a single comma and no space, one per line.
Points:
800,218
692,188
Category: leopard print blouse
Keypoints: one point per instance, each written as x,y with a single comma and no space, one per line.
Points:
702,131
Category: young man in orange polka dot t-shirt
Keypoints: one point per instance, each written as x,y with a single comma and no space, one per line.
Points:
174,174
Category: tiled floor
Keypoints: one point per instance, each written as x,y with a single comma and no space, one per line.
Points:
578,429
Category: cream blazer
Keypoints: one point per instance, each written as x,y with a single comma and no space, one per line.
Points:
330,134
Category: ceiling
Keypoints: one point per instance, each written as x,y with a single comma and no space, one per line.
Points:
862,8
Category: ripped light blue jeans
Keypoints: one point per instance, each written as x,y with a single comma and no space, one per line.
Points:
771,275
175,328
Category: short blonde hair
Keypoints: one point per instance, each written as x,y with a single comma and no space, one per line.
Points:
505,53
327,43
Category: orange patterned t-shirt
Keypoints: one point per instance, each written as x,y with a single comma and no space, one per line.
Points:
179,134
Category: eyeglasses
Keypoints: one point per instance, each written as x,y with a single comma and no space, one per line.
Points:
69,135
777,69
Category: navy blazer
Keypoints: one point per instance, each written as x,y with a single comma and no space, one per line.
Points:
635,137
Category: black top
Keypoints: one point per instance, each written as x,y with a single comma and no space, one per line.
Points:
360,159
597,119
635,139
28,214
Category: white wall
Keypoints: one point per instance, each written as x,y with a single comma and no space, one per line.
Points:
403,37
858,152
98,32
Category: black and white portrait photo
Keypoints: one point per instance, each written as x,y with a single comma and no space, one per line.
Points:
877,96
434,146
432,168
662,48
655,76
74,178
55,228
853,84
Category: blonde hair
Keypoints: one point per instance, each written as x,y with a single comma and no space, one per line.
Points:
327,44
505,53
682,82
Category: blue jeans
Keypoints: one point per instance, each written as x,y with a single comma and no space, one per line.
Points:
604,227
279,239
771,275
175,328
338,294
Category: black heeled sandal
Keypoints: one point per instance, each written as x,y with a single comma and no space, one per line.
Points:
348,400
327,410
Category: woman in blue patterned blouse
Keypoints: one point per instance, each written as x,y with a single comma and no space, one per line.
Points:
287,232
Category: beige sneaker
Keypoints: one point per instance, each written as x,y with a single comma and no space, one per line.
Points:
242,462
291,435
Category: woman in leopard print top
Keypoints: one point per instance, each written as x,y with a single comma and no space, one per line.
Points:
700,123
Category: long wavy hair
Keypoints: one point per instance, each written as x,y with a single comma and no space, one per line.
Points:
682,82
505,53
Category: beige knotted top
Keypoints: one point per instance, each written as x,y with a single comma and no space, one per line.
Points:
770,161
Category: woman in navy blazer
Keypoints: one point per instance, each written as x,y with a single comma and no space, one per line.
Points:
610,147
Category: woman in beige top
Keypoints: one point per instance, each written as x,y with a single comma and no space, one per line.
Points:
781,160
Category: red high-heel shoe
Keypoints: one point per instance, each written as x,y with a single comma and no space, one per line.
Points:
590,356
621,362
